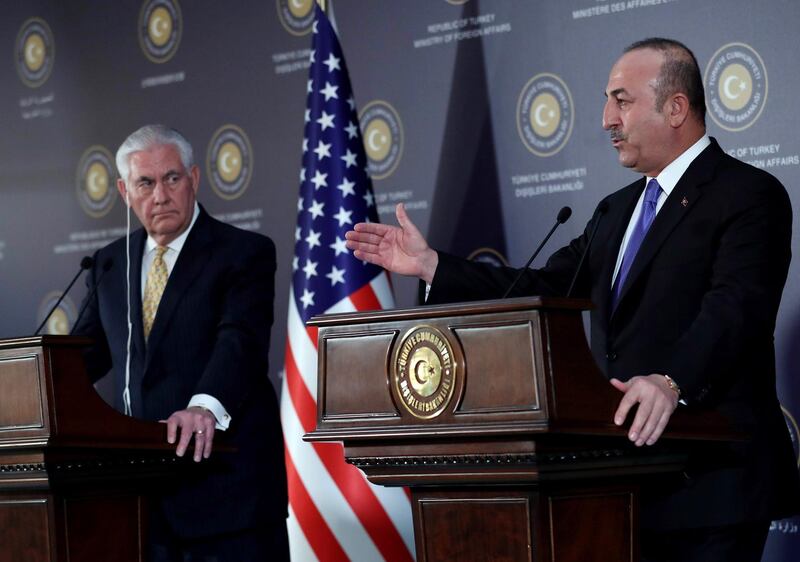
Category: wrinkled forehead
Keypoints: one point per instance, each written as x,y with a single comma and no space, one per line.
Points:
157,159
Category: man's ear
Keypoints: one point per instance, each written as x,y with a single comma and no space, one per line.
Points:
677,109
123,191
194,172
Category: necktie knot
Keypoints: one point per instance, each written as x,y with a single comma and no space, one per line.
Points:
652,192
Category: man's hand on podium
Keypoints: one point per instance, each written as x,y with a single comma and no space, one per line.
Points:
656,398
194,421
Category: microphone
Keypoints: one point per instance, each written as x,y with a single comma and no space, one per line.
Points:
602,208
106,266
86,263
562,217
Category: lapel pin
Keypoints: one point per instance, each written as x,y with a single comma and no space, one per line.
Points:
684,201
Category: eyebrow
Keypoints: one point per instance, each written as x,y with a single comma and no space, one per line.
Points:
165,175
615,93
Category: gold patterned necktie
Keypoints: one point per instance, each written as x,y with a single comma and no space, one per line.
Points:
153,289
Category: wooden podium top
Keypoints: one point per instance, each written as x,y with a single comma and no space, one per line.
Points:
503,368
47,399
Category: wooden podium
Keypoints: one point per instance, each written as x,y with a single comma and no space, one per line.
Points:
496,416
72,469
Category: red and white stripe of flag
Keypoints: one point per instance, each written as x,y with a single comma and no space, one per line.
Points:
334,512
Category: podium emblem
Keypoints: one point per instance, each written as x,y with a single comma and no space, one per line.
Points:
424,372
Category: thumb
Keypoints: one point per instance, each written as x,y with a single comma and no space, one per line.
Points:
402,215
404,221
619,385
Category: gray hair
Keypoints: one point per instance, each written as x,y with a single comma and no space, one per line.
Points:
148,137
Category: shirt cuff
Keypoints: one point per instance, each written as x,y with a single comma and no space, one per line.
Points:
215,407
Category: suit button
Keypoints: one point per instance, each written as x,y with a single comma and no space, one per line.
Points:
611,355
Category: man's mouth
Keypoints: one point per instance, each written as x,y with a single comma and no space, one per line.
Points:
617,137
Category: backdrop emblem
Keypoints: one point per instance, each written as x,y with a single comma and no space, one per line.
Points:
95,181
34,52
545,114
794,432
160,29
488,255
296,16
736,86
382,132
229,162
60,322
424,372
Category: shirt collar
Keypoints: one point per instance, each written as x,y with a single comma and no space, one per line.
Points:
669,176
177,244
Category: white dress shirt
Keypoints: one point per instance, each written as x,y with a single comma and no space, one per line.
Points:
170,257
667,179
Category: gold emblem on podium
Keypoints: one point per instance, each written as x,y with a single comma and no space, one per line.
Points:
424,372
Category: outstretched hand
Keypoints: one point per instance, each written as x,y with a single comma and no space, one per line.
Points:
656,402
399,249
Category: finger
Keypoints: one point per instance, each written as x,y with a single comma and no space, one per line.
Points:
640,421
619,385
362,240
185,438
364,236
659,429
625,405
199,443
648,424
172,428
209,442
370,257
373,227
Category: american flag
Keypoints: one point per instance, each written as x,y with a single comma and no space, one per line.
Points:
334,513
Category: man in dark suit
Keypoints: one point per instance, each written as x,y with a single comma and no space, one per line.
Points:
190,347
686,273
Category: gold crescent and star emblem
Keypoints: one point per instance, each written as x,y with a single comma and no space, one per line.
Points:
229,161
160,29
159,26
546,114
95,177
735,86
34,52
424,372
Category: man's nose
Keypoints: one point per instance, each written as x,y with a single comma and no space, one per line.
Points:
160,193
610,115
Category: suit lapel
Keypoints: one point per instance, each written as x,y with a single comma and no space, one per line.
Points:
137,251
678,205
191,261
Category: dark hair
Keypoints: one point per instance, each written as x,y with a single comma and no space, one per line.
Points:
679,73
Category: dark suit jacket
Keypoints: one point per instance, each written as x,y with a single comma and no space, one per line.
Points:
211,335
699,304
